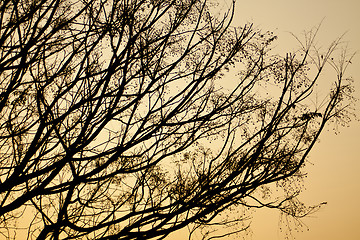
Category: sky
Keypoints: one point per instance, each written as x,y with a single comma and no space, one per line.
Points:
333,176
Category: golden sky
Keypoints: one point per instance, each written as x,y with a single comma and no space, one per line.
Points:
334,176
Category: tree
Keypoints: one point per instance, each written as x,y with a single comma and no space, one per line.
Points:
108,109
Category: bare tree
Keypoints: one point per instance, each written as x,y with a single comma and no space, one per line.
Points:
116,122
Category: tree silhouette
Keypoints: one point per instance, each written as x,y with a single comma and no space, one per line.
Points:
131,119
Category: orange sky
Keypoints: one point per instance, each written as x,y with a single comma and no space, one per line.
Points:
334,177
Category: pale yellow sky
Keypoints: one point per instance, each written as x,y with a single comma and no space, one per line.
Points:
334,176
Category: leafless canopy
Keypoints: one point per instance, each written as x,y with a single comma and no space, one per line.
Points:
131,119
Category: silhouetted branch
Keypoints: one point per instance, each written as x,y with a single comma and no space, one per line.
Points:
116,121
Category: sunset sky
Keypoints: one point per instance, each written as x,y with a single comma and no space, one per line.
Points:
334,176
333,166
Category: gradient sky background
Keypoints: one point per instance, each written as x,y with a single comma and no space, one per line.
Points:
334,176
